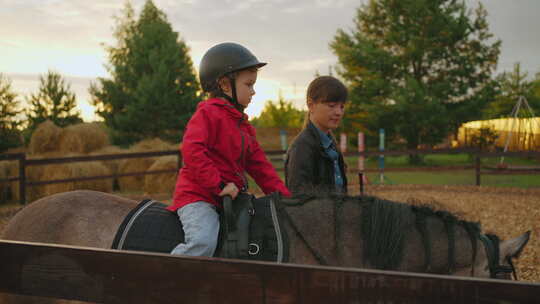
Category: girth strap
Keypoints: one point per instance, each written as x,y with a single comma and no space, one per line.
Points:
236,225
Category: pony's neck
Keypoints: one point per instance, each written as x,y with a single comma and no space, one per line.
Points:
450,247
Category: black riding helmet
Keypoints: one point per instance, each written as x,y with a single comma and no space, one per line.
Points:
223,60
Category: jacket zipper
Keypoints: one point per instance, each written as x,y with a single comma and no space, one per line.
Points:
241,160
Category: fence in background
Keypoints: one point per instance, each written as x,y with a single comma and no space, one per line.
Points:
275,155
24,163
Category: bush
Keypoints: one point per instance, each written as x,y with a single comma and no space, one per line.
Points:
484,139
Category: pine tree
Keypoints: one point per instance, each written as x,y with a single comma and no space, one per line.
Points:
10,112
153,89
413,66
54,101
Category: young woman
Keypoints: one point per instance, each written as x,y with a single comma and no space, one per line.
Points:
313,162
218,147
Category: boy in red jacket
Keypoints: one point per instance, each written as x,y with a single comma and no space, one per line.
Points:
219,146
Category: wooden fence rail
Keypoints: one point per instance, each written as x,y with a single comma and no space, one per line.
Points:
111,276
24,162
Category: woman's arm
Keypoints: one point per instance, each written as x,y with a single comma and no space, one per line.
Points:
299,167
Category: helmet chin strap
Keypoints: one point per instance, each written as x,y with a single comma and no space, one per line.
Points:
234,99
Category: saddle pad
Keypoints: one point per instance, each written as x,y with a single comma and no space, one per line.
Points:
149,227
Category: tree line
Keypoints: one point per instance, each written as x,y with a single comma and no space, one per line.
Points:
418,68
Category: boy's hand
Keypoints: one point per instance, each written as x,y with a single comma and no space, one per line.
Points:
230,189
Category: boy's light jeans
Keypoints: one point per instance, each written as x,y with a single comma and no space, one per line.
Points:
201,228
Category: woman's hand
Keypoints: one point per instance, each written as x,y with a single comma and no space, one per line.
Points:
230,189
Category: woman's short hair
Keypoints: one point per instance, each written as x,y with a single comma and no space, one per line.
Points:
327,89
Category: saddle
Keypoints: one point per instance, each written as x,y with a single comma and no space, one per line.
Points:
250,228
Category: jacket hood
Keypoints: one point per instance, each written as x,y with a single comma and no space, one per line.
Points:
224,104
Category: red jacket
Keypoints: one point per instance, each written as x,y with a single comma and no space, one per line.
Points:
219,145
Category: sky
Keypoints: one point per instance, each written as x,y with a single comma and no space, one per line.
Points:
68,36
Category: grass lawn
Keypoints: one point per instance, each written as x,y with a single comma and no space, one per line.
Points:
461,177
434,160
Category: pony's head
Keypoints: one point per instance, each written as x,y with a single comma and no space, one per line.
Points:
495,260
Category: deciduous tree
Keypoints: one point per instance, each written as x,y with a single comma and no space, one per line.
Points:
281,113
413,65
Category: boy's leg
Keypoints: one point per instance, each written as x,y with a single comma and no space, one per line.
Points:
201,228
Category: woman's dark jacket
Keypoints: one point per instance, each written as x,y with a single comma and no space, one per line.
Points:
307,166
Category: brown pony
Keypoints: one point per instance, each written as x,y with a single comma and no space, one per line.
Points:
336,230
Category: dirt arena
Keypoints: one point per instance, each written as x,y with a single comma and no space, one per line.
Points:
507,212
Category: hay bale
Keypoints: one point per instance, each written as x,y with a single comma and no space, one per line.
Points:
17,150
163,182
83,138
113,164
136,183
59,171
45,138
153,144
132,165
74,170
33,173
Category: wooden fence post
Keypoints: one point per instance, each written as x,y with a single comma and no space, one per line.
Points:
477,165
361,180
22,179
179,160
381,156
361,149
343,142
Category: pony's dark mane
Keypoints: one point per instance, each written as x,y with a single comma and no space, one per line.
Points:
385,225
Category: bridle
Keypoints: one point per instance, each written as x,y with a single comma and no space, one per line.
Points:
491,245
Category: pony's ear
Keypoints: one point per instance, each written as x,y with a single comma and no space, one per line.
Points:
512,248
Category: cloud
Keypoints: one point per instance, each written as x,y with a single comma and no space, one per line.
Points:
292,36
515,23
9,44
309,65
